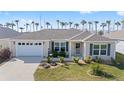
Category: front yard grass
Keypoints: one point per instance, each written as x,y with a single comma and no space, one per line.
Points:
74,72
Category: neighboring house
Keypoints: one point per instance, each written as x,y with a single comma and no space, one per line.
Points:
74,42
118,35
6,33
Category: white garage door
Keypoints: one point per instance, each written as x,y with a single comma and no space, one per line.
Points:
120,47
29,49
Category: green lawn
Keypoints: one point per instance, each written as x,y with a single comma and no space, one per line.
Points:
77,72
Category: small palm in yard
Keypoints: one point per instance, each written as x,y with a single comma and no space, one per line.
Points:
97,70
76,59
61,59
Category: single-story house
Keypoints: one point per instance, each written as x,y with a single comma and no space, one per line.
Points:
74,42
119,36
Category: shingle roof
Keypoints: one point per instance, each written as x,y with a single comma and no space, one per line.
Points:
97,37
7,33
49,34
70,34
116,35
82,36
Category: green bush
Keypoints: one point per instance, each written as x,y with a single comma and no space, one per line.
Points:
88,59
62,54
98,60
61,59
4,54
49,59
113,61
98,71
54,53
76,59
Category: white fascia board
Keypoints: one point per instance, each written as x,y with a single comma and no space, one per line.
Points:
87,37
76,35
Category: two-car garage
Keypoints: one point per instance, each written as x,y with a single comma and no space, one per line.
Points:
29,49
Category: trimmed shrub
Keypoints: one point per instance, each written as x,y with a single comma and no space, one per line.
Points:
98,60
62,53
5,54
54,53
88,59
61,59
49,59
114,61
76,59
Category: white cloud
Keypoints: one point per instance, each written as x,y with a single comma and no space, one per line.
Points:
120,13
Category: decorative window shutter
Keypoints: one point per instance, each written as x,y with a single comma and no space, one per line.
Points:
67,46
52,46
108,50
91,48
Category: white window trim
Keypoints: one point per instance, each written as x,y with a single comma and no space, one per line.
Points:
60,45
100,49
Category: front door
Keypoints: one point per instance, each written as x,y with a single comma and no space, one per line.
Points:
77,48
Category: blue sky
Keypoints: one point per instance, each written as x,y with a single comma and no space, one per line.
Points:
52,16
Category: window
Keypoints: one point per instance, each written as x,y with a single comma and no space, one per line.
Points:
27,43
103,49
63,46
77,45
31,43
39,43
99,49
19,43
96,50
23,43
56,46
36,43
60,46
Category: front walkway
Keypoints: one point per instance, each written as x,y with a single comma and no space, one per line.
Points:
18,69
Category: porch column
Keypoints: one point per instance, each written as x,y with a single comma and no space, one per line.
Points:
69,49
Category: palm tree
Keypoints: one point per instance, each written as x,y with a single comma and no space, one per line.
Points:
8,24
27,27
108,22
58,23
89,25
17,24
12,25
36,24
62,24
33,24
21,28
117,24
83,22
103,26
76,25
1,25
96,22
47,24
70,24
66,24
122,24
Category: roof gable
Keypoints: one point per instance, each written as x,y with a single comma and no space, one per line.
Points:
97,37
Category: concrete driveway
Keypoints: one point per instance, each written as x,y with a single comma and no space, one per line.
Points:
21,68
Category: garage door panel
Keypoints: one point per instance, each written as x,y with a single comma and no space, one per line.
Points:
29,50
